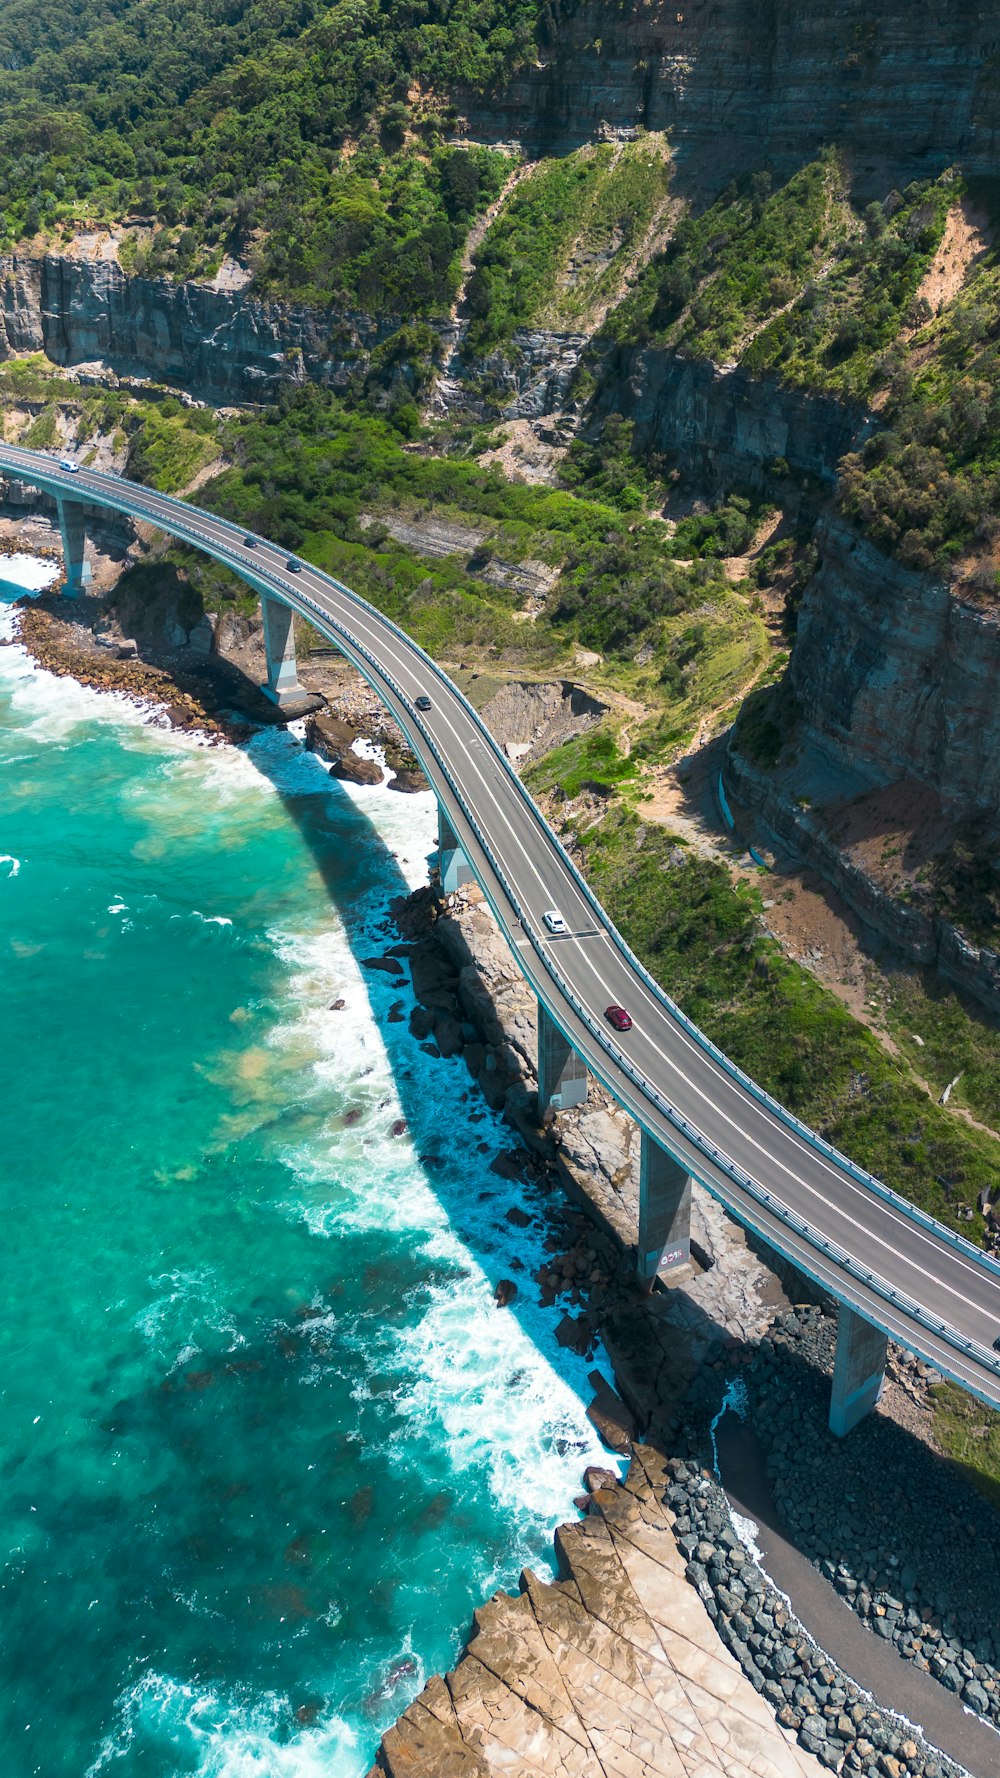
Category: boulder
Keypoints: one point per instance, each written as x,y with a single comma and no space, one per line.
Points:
609,1415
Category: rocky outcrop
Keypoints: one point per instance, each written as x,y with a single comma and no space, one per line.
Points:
725,426
616,1668
530,718
898,673
909,88
529,379
334,741
222,345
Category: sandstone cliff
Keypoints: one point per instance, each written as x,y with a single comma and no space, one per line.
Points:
222,345
898,673
726,425
908,87
894,746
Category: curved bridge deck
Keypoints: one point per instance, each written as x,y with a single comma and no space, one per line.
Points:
904,1273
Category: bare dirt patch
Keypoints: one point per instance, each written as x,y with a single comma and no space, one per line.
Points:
891,833
966,238
529,453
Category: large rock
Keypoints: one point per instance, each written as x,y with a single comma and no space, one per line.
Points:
334,741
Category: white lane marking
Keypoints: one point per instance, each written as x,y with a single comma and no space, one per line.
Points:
744,1099
221,535
839,1211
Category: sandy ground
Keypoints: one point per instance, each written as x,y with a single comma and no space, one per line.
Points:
966,238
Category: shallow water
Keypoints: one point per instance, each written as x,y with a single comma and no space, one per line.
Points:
266,1440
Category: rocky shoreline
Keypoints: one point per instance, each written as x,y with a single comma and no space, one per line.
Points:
507,1705
209,694
673,1355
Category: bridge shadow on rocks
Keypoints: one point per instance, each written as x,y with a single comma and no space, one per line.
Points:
898,1538
498,1184
263,1422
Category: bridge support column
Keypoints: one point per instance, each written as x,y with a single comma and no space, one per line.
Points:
858,1370
279,646
454,866
664,1213
562,1076
73,527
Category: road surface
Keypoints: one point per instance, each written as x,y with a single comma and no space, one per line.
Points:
923,1285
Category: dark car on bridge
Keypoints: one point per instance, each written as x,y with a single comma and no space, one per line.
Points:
293,566
423,702
619,1018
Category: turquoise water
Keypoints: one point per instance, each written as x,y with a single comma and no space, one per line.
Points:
266,1441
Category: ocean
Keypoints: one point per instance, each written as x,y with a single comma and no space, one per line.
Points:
266,1440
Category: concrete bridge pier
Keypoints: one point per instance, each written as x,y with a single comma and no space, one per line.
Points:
858,1370
453,865
562,1075
279,646
72,525
664,1213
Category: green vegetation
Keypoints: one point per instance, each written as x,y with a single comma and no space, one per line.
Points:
558,248
166,441
955,1039
589,762
331,483
699,936
927,485
305,137
970,1434
798,280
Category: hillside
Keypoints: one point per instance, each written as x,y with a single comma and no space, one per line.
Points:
655,352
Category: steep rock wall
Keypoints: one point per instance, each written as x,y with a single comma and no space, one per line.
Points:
223,345
897,674
924,938
726,425
909,85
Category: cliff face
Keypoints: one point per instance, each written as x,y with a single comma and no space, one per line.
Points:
223,345
725,424
910,87
896,744
897,674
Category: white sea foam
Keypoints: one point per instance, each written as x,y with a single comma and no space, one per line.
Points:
26,573
219,1738
187,1312
49,708
489,1383
492,1385
14,864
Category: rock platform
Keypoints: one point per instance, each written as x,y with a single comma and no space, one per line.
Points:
614,1671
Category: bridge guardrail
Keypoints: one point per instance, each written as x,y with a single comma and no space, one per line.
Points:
830,1249
133,500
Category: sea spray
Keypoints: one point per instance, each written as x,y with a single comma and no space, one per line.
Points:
268,1437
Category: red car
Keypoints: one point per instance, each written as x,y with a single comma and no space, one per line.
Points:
619,1018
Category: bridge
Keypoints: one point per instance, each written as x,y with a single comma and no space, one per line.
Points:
894,1271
